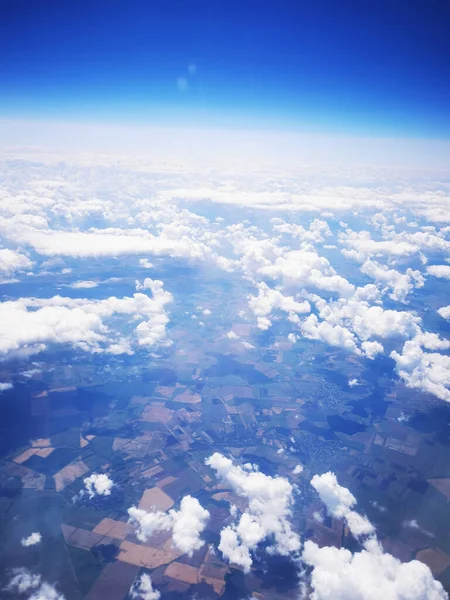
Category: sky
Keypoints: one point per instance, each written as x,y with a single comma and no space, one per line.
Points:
348,67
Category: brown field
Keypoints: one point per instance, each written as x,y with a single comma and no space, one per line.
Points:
69,473
152,471
146,556
41,443
165,390
157,414
44,452
155,497
221,496
25,455
119,443
188,397
113,582
242,328
33,480
182,572
443,485
114,529
163,482
213,573
81,538
435,558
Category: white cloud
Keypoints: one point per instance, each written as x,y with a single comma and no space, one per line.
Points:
144,262
369,574
401,284
80,285
5,386
266,516
427,371
305,268
298,469
269,299
142,589
444,312
442,271
334,335
25,583
27,325
112,243
339,502
353,382
32,539
371,349
98,484
317,230
369,321
186,524
360,246
12,261
231,335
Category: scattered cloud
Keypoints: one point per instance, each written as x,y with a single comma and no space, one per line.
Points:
269,500
142,589
442,271
339,574
339,502
30,586
186,524
28,325
98,484
32,539
81,285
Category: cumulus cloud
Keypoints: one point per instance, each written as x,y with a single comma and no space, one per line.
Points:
98,484
353,382
186,524
231,335
32,539
427,371
142,589
339,502
316,233
27,325
11,261
334,335
298,469
306,268
5,385
442,271
444,312
360,246
269,500
269,299
29,585
368,574
400,284
83,285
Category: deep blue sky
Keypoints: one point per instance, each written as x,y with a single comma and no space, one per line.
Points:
371,67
